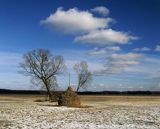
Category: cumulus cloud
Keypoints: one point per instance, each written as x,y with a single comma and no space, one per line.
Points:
103,51
75,21
117,63
157,48
101,10
86,27
142,49
105,37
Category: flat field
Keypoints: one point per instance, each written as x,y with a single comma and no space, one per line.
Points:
101,112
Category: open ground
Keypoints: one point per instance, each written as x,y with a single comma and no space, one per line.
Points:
98,112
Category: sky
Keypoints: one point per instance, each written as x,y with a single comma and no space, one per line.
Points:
118,38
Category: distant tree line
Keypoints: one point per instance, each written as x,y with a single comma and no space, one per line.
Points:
35,92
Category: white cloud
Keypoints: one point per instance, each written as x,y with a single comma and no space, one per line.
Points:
93,66
153,60
157,48
10,59
105,37
145,49
97,51
103,51
148,67
142,49
128,56
117,63
101,10
114,48
74,20
86,27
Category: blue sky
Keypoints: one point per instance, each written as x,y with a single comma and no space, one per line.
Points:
119,40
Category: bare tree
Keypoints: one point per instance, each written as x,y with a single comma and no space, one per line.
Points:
43,67
84,75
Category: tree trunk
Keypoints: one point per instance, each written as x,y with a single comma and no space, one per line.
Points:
48,90
77,89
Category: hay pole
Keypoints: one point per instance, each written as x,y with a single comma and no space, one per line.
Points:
69,79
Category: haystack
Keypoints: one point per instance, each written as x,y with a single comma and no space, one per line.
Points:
69,99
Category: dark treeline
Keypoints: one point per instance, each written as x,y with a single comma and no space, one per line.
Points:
121,93
36,92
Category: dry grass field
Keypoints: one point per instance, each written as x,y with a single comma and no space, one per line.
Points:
101,112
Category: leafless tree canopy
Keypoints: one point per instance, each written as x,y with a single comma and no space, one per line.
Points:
43,67
84,75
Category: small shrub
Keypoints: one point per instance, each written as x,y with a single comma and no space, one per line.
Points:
39,100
